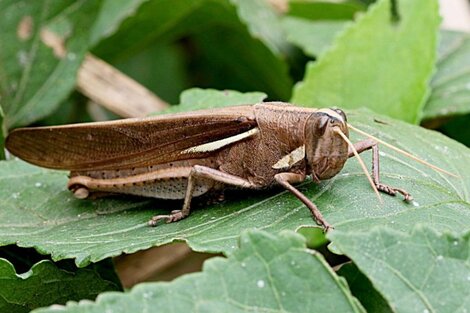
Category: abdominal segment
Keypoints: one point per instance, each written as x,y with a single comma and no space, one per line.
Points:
166,183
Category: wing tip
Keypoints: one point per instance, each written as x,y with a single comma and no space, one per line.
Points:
10,141
19,144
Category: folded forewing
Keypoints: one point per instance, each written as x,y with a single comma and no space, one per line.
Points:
131,142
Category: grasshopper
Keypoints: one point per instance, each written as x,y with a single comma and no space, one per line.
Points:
181,156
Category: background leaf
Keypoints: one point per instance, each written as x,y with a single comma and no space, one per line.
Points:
313,37
2,136
35,78
228,44
39,212
451,83
111,15
419,272
198,99
154,20
252,279
262,22
45,284
325,10
231,59
161,68
391,78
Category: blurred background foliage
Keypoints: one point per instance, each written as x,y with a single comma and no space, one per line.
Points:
169,46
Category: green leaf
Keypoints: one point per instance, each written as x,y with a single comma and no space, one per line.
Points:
451,83
111,15
38,211
377,63
46,284
253,279
263,23
313,37
154,21
419,272
325,10
199,99
35,78
362,289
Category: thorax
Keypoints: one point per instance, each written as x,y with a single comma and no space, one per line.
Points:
281,130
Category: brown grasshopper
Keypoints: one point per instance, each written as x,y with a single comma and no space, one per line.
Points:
181,156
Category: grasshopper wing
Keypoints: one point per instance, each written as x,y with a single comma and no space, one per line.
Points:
129,143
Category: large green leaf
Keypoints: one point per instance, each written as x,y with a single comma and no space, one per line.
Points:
35,78
419,272
267,274
379,63
451,83
38,211
46,284
449,90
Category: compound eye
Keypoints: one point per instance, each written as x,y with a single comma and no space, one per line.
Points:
340,112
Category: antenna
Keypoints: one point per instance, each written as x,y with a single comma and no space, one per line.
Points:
434,167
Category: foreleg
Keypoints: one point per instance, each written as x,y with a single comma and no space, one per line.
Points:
286,180
367,144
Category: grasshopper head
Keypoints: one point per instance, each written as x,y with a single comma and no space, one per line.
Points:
325,150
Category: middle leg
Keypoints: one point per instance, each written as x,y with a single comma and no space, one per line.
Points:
198,172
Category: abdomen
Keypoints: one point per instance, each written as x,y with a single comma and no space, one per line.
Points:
164,181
